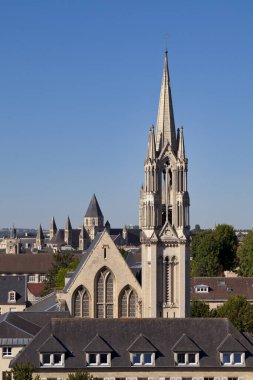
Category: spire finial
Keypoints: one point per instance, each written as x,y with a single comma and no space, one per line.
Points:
166,37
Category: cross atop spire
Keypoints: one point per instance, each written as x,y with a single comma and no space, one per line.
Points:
165,126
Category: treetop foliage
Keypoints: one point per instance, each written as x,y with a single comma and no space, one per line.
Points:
214,251
246,256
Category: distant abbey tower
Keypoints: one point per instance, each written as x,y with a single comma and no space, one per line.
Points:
164,216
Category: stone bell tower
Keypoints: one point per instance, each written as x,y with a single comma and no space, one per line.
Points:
164,216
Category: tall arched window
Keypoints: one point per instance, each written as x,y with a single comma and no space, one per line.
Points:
169,279
104,296
128,303
81,303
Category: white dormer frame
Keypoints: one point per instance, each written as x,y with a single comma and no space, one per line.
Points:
232,362
201,288
98,361
12,296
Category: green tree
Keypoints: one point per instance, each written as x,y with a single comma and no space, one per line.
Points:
214,251
227,246
61,260
23,371
205,255
239,311
80,375
199,309
60,275
246,256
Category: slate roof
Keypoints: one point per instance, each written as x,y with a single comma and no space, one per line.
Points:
93,210
98,344
26,263
19,328
47,303
185,344
230,344
141,344
16,283
52,344
221,288
120,334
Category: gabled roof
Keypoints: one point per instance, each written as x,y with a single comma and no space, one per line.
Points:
230,344
52,344
84,259
141,344
185,344
93,210
98,344
13,283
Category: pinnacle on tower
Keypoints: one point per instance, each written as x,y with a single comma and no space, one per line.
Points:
165,126
151,153
181,148
40,234
68,225
53,226
93,210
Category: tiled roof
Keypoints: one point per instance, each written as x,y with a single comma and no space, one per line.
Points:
26,263
221,288
97,344
36,288
93,210
15,283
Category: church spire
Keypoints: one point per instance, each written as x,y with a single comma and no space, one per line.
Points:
151,153
180,148
165,126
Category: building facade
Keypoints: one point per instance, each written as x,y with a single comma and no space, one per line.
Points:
164,215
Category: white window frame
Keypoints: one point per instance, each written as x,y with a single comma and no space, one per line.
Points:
98,359
142,362
232,363
8,352
186,363
42,277
31,278
12,296
52,362
201,289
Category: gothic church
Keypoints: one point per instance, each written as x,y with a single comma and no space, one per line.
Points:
103,285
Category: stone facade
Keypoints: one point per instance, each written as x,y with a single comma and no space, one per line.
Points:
164,216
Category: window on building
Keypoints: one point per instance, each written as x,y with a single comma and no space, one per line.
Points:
104,294
142,358
185,358
128,303
7,352
201,289
81,302
31,278
232,358
13,309
12,296
42,277
49,359
98,359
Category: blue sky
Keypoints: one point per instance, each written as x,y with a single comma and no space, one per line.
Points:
79,89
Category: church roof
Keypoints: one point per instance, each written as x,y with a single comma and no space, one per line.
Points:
53,225
40,234
84,258
93,210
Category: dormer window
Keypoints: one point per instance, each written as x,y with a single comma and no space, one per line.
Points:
142,358
201,289
186,359
12,296
232,358
98,359
52,359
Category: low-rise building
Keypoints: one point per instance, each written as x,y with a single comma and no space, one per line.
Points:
216,290
172,349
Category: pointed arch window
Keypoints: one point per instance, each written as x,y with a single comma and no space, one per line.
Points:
104,296
128,303
168,284
81,303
